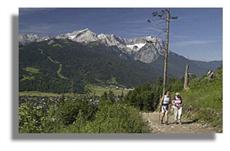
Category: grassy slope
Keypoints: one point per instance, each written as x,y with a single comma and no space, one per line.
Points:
204,100
31,71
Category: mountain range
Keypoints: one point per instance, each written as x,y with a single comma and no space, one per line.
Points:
70,61
136,47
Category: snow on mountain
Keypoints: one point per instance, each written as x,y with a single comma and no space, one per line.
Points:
136,47
87,36
111,40
82,36
27,38
140,40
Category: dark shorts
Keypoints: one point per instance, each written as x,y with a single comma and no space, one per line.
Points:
165,108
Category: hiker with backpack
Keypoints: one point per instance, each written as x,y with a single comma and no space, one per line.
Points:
177,106
165,105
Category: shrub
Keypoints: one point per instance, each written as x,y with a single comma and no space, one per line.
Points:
30,118
145,97
80,115
116,118
35,118
69,109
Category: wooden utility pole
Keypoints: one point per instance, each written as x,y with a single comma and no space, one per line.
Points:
186,77
165,16
166,50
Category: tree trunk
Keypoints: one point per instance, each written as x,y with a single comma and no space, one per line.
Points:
186,78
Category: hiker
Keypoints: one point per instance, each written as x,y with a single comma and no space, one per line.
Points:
165,104
177,106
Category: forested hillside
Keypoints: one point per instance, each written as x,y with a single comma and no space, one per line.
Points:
80,65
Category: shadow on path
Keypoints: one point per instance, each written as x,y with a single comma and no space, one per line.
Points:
190,121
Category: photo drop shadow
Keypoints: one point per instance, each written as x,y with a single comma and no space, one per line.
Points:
16,136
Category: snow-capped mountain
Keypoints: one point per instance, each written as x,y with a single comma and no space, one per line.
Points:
82,36
147,54
143,49
87,36
111,40
28,38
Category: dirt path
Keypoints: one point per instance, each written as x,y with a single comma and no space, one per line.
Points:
187,126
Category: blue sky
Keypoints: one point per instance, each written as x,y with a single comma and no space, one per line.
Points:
196,34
